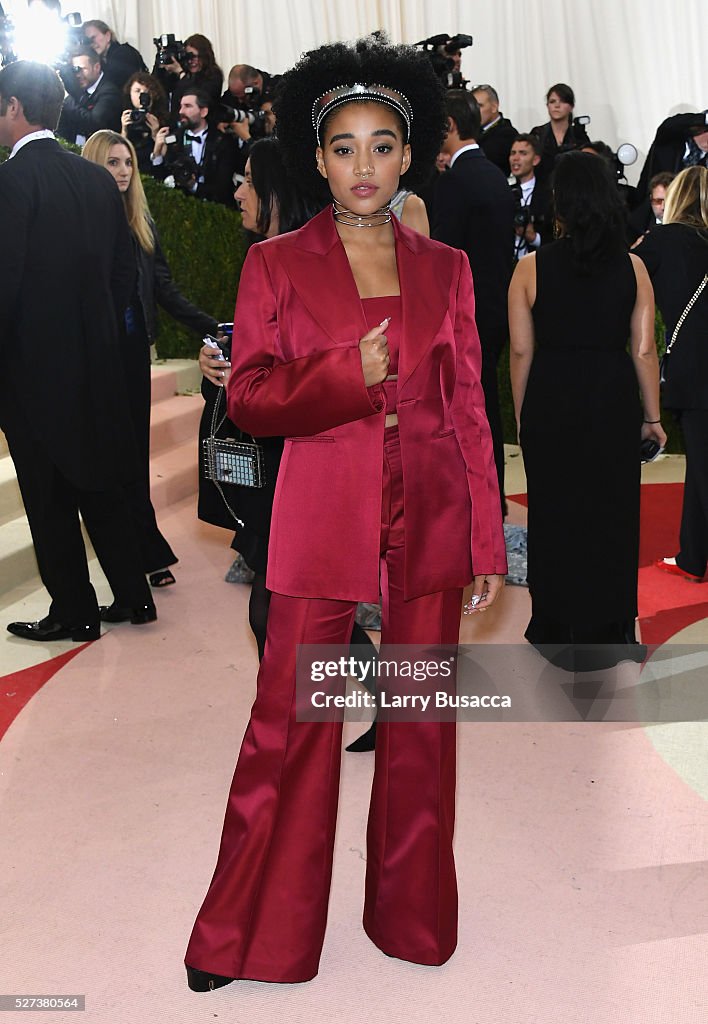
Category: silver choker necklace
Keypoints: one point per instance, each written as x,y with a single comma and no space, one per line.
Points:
368,220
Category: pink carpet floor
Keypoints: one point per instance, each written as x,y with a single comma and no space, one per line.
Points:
582,849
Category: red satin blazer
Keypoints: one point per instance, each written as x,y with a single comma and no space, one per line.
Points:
296,371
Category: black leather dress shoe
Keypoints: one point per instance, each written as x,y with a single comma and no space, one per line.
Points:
204,981
138,616
48,629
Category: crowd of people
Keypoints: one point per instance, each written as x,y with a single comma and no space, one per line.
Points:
403,234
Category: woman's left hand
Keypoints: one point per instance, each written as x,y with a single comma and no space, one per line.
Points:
152,123
654,432
485,590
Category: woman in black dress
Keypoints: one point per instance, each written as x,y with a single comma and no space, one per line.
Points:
575,391
676,256
558,134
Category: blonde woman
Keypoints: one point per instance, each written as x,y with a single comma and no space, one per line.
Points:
153,284
676,256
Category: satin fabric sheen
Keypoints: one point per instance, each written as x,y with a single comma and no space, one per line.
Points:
265,913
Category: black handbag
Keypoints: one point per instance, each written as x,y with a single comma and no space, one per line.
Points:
664,361
227,461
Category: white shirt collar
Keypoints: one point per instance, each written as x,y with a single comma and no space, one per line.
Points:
527,187
43,133
464,149
491,124
92,88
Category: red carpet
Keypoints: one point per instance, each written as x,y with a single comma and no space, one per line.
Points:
17,688
667,604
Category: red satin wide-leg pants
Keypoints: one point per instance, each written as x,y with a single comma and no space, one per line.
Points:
265,913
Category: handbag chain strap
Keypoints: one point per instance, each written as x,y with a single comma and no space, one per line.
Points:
214,427
215,415
687,310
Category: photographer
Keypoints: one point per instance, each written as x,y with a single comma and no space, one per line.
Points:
93,101
118,60
246,86
182,68
532,197
561,132
681,141
145,114
199,158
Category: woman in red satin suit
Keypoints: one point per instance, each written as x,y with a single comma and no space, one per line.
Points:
357,342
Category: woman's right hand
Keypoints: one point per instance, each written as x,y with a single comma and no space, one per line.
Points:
124,122
213,366
374,354
160,147
152,123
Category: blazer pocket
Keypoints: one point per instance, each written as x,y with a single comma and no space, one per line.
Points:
446,433
315,438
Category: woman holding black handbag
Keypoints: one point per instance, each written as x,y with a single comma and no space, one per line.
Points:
676,256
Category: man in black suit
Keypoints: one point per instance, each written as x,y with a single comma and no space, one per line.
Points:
216,155
533,221
473,210
120,61
93,102
498,132
66,272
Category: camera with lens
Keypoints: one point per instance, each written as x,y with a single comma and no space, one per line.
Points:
522,213
229,116
441,50
169,49
139,116
182,171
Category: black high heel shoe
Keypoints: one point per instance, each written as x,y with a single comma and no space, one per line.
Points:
204,981
367,741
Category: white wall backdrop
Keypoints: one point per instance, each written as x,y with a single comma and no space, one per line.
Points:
630,62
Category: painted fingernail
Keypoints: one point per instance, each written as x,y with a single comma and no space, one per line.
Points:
385,320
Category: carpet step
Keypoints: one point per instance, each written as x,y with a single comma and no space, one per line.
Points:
174,474
174,376
173,421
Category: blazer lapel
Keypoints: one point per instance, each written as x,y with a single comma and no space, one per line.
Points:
331,297
424,293
338,309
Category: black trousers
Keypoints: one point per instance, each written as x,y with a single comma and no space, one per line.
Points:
53,503
693,555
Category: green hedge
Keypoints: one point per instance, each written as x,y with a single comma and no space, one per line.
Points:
205,249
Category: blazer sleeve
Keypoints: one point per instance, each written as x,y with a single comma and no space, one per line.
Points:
469,418
267,396
171,298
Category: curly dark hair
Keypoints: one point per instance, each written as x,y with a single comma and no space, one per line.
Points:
370,61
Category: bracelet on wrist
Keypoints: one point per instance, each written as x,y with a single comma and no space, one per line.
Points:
652,421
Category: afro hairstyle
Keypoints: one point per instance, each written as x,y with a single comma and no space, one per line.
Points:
371,61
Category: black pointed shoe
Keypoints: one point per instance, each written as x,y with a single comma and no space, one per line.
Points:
138,616
205,981
48,629
365,742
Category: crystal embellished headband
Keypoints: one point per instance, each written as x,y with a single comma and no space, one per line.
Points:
342,94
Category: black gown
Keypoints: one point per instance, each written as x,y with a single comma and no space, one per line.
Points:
580,435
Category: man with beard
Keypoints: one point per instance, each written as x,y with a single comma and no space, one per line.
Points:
212,156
